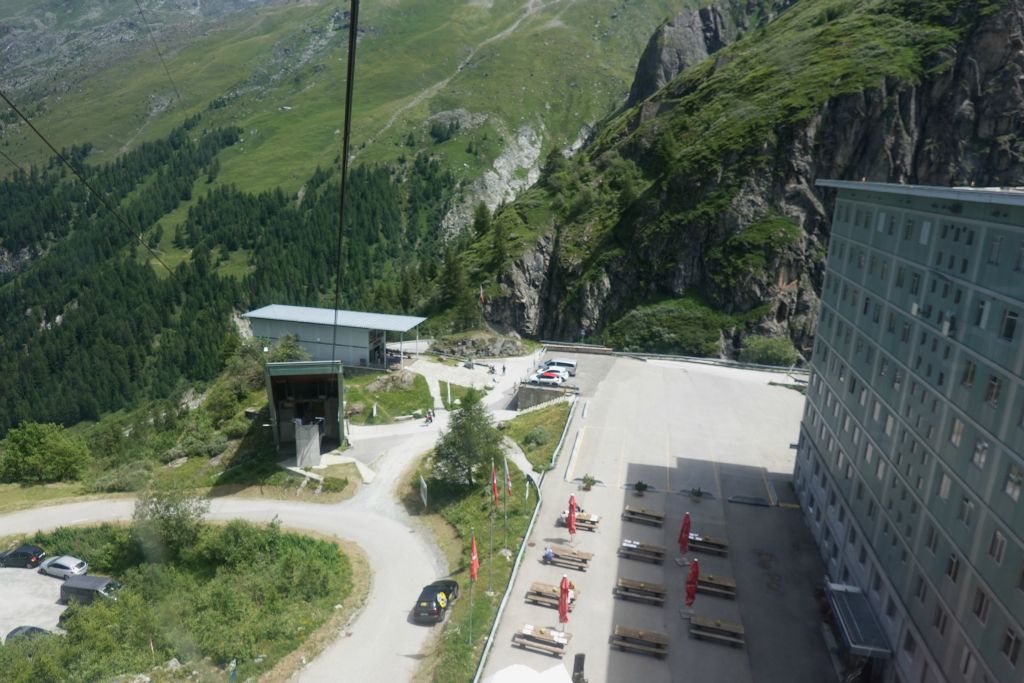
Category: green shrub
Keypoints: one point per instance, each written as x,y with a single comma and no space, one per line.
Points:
768,351
682,326
538,436
334,484
131,476
41,453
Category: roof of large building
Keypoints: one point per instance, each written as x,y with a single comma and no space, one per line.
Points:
326,316
985,195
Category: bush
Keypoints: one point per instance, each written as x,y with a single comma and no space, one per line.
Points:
768,351
682,326
538,436
131,476
41,453
334,484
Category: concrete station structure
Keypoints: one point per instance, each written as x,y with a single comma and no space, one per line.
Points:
911,455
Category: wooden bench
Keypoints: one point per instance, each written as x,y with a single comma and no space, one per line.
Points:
584,521
717,630
542,639
709,544
641,591
547,595
646,552
643,516
636,640
574,559
721,586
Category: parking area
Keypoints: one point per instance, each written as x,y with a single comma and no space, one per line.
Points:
28,598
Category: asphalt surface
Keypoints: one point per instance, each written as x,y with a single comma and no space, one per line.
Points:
679,426
28,599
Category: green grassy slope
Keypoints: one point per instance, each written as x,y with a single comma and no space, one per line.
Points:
553,65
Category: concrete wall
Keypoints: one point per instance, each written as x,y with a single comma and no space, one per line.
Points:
530,395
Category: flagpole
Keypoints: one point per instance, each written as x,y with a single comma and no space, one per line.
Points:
490,563
472,590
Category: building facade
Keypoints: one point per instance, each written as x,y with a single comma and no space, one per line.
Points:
911,455
355,338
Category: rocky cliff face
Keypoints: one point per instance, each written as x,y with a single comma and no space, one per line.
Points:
959,124
691,36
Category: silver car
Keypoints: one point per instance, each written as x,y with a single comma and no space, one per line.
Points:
63,566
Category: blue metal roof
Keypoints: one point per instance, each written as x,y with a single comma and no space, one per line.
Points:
326,316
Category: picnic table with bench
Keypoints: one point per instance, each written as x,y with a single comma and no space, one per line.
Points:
648,552
542,639
722,586
709,544
643,516
637,640
584,520
641,591
547,595
717,630
568,557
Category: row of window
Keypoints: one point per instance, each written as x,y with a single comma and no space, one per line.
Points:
981,602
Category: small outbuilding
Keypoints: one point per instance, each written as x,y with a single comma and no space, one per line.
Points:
355,338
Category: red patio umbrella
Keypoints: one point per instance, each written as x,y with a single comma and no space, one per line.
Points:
684,535
691,583
571,520
563,601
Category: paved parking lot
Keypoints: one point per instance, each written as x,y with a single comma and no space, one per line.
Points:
678,426
29,599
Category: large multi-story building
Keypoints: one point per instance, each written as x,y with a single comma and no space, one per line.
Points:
911,456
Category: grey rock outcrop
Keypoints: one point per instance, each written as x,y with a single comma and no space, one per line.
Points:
691,36
959,125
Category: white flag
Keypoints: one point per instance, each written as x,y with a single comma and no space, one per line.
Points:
423,490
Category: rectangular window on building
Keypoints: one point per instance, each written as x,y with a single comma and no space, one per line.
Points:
980,454
965,511
945,483
993,253
890,608
888,425
968,377
900,274
1011,645
872,508
940,620
909,644
997,546
869,452
926,231
980,605
915,283
880,470
953,567
920,588
931,539
956,433
863,556
981,314
1008,328
905,333
880,221
1014,476
994,389
897,380
967,663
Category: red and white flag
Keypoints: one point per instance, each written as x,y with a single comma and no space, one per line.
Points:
474,560
508,481
494,483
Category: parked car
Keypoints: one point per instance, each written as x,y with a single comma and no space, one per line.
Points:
553,372
85,589
63,566
26,632
550,381
24,555
562,363
435,600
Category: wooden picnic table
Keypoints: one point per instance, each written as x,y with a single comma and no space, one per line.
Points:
542,639
547,595
569,557
584,520
709,544
717,630
722,586
641,591
647,552
643,516
630,639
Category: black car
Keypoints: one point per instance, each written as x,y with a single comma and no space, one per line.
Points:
23,556
435,600
26,632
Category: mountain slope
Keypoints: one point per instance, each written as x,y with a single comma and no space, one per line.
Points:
704,195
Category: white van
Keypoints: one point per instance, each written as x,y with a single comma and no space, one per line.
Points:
562,364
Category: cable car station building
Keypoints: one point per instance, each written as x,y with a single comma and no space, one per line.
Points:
306,414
